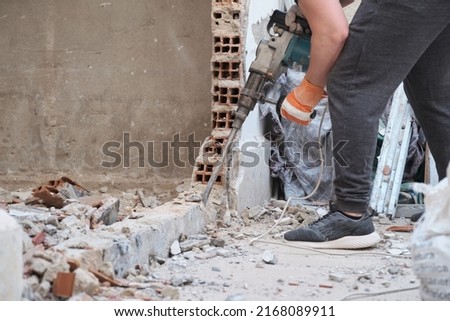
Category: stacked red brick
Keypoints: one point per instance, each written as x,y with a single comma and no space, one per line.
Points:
227,79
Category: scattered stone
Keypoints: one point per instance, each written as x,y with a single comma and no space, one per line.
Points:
224,253
175,248
206,255
284,221
236,297
256,212
148,201
160,260
77,244
395,251
52,220
365,277
268,257
389,235
227,218
394,270
30,287
170,292
218,242
179,280
194,241
72,221
39,266
85,282
43,289
50,229
53,270
335,277
107,269
27,243
103,189
108,212
43,255
278,203
196,198
215,269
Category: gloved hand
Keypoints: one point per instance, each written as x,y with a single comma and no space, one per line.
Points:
299,103
289,20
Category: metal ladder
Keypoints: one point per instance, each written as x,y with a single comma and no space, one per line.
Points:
392,159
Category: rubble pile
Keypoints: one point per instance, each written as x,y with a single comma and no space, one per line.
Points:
56,218
65,257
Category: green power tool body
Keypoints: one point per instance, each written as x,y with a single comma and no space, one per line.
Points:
282,50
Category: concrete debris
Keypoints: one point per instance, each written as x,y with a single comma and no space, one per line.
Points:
175,248
195,241
335,277
268,257
97,247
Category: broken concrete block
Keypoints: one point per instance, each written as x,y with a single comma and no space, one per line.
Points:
335,277
195,198
175,248
74,223
53,270
85,282
108,212
256,212
179,280
39,266
43,289
50,229
34,214
76,209
27,243
194,241
107,269
268,257
169,292
30,286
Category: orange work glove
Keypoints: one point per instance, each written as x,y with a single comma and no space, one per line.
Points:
299,104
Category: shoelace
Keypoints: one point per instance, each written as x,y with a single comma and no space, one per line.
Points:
323,218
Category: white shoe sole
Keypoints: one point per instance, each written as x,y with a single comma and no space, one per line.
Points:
345,243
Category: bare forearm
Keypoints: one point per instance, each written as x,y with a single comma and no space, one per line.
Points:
329,32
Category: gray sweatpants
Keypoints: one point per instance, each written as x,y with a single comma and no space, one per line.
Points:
390,41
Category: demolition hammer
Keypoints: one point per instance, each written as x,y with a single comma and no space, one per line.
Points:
273,56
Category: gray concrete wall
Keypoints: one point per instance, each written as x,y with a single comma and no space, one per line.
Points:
76,74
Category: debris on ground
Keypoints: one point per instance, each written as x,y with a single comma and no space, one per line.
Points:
221,263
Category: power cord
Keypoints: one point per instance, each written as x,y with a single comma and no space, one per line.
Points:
355,296
314,191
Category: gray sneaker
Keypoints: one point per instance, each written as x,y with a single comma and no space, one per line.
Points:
336,231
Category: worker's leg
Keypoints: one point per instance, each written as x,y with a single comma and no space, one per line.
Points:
386,39
428,89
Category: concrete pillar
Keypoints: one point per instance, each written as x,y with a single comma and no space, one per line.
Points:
11,261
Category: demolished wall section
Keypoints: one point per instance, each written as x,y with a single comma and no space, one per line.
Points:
228,25
237,27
